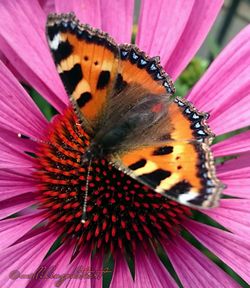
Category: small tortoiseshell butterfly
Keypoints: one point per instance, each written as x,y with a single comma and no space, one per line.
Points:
123,99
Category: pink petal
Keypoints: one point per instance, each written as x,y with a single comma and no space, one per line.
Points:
82,264
19,143
165,22
14,187
193,268
14,228
24,257
23,43
11,157
97,265
15,204
150,272
117,19
56,263
233,145
238,187
47,5
15,103
236,168
88,11
113,17
233,214
224,90
175,30
121,275
7,63
230,248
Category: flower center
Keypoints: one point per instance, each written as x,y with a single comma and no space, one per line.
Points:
119,210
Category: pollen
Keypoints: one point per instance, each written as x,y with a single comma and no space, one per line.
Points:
120,211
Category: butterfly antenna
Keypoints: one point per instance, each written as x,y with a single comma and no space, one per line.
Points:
84,208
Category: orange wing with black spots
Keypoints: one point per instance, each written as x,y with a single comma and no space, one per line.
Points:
136,68
180,167
87,62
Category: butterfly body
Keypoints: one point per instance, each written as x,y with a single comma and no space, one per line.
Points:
123,99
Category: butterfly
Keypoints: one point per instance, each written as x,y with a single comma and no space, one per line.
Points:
124,101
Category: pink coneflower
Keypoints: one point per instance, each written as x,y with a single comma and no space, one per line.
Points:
45,244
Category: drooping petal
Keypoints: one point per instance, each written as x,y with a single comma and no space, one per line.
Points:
233,145
231,249
15,204
55,264
18,111
150,272
23,42
113,17
121,275
193,268
174,30
24,258
224,90
14,228
234,214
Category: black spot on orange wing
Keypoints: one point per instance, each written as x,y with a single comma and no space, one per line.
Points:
178,189
163,150
154,178
52,31
63,51
139,164
83,99
71,78
103,79
120,83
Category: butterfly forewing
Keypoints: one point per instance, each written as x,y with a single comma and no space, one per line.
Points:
87,62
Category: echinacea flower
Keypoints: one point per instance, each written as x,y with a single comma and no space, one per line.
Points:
154,242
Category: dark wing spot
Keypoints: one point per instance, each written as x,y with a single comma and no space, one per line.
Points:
63,51
52,31
179,188
120,83
83,99
103,79
155,178
71,78
163,150
139,164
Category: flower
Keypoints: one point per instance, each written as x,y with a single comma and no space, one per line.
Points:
41,247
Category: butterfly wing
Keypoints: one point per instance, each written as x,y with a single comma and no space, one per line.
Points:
86,60
180,167
138,68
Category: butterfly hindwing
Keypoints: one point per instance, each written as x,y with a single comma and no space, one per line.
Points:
181,167
87,62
